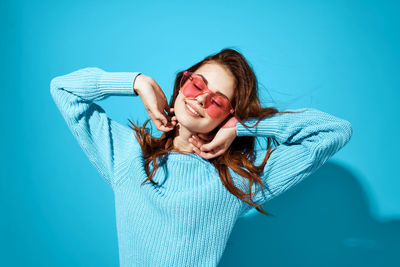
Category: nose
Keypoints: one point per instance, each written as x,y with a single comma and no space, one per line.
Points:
202,98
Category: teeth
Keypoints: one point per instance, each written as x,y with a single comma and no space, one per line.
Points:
191,109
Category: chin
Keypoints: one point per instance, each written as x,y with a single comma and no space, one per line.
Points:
196,127
192,124
189,123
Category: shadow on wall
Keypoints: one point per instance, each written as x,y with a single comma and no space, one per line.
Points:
322,221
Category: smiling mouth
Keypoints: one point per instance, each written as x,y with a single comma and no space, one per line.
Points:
192,111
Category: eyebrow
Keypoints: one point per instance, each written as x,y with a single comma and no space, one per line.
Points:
205,80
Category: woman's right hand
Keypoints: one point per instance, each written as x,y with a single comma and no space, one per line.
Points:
155,102
213,146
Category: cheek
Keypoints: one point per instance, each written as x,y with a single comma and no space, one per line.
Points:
177,101
179,104
179,108
208,124
215,113
204,125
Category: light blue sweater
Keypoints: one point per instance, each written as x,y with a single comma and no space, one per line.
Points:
186,220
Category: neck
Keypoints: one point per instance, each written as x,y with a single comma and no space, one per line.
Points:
181,140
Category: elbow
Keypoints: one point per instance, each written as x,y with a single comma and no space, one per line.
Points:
331,143
53,85
55,90
340,136
347,130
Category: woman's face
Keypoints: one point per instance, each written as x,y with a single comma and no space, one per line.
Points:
218,79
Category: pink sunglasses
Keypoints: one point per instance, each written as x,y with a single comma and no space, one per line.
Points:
216,104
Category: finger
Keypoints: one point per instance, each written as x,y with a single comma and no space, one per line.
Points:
197,150
171,122
172,111
168,116
160,124
214,153
201,153
205,137
207,155
194,143
209,147
161,117
198,141
164,128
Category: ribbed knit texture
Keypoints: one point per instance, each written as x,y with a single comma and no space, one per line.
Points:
186,220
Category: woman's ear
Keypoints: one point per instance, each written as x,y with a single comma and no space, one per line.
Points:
225,121
230,123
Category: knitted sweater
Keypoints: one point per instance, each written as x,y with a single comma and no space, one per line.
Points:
187,218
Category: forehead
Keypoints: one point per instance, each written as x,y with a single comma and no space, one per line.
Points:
218,78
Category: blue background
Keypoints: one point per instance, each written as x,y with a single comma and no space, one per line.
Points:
341,57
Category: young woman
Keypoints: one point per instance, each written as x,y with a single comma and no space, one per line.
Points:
177,197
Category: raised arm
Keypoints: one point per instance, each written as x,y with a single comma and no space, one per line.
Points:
108,144
307,140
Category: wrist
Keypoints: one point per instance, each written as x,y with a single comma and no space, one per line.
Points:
230,123
136,83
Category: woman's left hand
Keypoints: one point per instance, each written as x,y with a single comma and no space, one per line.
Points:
209,147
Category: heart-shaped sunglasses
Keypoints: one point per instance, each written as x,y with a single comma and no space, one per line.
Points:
217,105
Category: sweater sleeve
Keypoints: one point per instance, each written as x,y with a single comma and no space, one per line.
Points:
108,144
306,141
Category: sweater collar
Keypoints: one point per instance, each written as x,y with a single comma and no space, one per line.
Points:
178,156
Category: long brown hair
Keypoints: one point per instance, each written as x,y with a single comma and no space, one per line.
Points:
241,153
